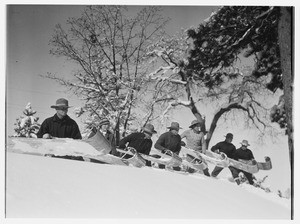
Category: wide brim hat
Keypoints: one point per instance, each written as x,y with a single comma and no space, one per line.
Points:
194,123
61,103
245,143
174,126
149,128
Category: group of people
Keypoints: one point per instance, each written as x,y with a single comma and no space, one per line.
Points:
62,126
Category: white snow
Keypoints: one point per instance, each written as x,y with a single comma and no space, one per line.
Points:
42,187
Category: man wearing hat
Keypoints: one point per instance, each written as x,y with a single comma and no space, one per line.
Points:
246,155
194,137
140,141
104,129
170,140
195,140
225,147
60,125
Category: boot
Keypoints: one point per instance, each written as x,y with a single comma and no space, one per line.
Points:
237,180
206,173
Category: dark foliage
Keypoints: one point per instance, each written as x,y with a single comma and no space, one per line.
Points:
236,30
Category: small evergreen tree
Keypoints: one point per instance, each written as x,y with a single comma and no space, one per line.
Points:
27,126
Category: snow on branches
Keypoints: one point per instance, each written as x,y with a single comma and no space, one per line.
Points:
27,126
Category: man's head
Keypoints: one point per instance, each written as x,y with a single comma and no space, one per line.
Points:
149,130
104,124
174,128
195,125
61,106
229,137
244,144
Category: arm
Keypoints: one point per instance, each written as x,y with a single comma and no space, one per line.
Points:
215,147
160,143
43,129
234,153
251,155
203,143
147,151
76,132
183,135
122,143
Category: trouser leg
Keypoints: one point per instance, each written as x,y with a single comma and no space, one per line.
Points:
216,171
206,172
235,174
249,177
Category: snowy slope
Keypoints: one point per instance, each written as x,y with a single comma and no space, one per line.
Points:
40,187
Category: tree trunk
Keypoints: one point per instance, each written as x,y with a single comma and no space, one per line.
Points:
285,42
217,117
285,45
193,107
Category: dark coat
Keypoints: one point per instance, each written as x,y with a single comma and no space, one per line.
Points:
137,141
225,147
245,154
60,128
169,141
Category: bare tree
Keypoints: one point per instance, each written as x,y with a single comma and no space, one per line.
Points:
110,49
230,89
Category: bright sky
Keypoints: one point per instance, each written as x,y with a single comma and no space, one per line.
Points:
29,29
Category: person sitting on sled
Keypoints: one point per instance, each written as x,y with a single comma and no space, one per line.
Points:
246,155
140,141
195,140
228,149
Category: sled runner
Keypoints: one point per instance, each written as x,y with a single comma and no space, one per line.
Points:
194,162
251,166
210,157
248,166
132,156
186,162
267,165
94,149
65,148
223,161
174,161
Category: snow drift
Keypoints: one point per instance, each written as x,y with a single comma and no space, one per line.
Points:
42,187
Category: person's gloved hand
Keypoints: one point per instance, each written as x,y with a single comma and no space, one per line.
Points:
167,151
47,136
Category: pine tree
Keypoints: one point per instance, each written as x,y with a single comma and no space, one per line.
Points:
27,126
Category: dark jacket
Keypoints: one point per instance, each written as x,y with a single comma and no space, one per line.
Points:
169,141
245,154
138,141
60,128
225,147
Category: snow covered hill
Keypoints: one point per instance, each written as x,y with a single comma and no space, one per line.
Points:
41,187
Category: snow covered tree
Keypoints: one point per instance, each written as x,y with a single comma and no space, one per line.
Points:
261,32
109,47
180,86
27,126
